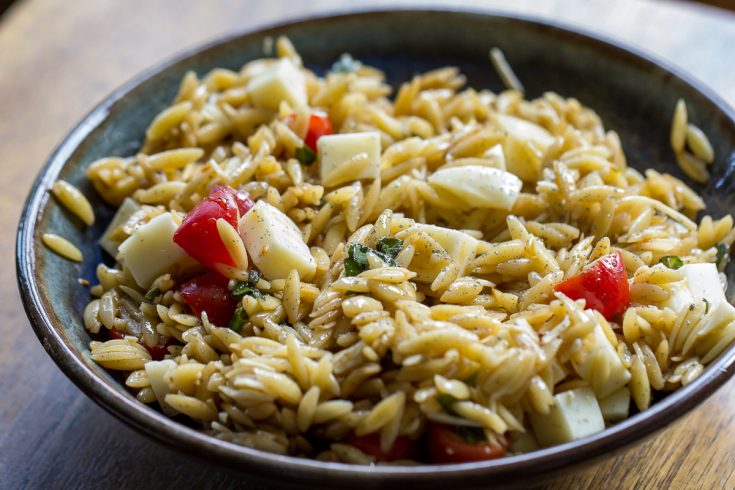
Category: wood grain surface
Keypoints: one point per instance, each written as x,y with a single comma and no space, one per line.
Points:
58,58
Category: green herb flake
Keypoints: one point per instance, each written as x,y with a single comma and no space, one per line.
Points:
238,319
722,253
471,435
346,64
671,261
357,260
305,155
245,289
446,402
390,246
706,305
152,294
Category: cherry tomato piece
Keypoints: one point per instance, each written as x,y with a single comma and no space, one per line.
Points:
448,446
319,125
209,293
603,285
403,447
198,234
158,352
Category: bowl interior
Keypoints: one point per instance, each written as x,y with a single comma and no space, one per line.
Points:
632,95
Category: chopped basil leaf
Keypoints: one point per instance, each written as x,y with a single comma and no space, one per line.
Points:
238,319
151,295
446,402
253,277
671,261
356,261
471,435
245,289
346,64
390,246
305,155
722,252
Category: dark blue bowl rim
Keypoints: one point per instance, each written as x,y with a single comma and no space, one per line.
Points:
178,436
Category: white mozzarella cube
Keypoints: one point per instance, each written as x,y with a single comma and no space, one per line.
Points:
348,157
157,372
679,297
455,242
281,82
575,414
703,282
151,251
616,406
478,186
525,130
275,243
108,242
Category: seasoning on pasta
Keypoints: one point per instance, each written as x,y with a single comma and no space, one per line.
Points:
312,266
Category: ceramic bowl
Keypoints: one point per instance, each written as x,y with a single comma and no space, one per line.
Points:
634,94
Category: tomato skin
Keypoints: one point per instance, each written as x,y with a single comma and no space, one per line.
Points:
198,234
115,334
158,351
209,293
319,125
223,194
403,447
603,285
446,446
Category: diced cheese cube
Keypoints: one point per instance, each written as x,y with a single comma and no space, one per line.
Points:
109,241
455,242
595,345
348,157
477,186
523,158
275,243
703,282
151,251
575,414
616,406
525,130
281,82
157,372
679,297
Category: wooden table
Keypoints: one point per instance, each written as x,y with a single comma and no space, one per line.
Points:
58,58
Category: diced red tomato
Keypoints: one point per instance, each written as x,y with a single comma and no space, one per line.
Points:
603,285
115,334
158,351
447,446
223,193
198,234
403,447
319,125
209,293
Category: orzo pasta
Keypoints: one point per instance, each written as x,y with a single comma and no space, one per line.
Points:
315,266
